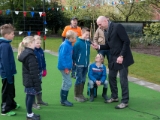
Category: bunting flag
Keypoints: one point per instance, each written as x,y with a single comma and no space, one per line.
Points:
57,9
70,8
43,14
29,33
44,37
20,32
45,22
66,8
39,33
24,13
40,13
32,14
16,12
1,12
46,29
49,8
8,12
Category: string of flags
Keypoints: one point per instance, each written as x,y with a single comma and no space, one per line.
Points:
115,2
29,32
37,32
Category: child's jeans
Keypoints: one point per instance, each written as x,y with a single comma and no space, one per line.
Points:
66,81
91,83
29,101
81,73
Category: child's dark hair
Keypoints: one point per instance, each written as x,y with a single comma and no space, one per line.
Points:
84,29
6,29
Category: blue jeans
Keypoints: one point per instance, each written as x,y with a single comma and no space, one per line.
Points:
91,83
81,73
66,81
73,70
105,53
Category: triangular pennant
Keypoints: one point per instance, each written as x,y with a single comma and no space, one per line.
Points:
16,12
57,9
62,8
24,13
39,33
66,8
8,12
32,14
29,33
45,32
52,8
20,32
70,8
46,29
40,13
43,14
49,8
112,3
45,22
83,6
44,37
1,12
32,8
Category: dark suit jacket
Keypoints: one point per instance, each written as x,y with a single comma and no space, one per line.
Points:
118,43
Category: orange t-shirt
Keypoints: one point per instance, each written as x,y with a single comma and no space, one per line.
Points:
77,30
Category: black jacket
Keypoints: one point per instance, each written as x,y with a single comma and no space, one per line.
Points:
31,77
118,43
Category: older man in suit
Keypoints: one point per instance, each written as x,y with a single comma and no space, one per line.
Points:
117,41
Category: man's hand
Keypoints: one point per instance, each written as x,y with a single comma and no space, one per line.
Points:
120,60
95,46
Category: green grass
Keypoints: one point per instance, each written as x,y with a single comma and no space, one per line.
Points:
97,110
145,67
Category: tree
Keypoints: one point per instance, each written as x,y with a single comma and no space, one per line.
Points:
55,17
132,10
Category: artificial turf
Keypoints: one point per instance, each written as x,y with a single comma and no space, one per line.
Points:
141,99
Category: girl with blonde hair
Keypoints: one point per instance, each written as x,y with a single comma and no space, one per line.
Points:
30,73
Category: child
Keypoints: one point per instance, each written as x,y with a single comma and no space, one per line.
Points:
30,73
42,68
97,75
7,71
81,52
65,66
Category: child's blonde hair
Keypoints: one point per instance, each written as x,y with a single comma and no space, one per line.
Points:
25,42
102,57
37,37
6,29
70,34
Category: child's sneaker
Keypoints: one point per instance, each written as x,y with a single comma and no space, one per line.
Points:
35,106
34,117
11,113
17,106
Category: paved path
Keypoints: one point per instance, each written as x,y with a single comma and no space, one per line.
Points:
132,79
